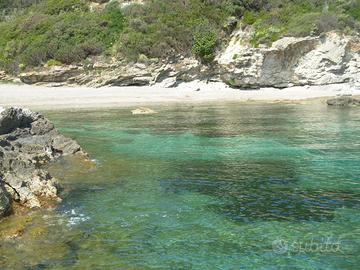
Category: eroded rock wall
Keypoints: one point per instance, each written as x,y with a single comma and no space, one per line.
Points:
328,59
331,58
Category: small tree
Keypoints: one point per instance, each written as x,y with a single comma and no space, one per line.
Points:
204,46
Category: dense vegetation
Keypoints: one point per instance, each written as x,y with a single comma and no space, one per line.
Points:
36,32
57,31
302,17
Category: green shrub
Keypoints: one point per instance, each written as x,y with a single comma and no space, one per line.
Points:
161,29
204,46
303,25
54,7
53,62
249,17
64,31
353,9
142,58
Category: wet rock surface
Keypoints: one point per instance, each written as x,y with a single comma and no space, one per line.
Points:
28,141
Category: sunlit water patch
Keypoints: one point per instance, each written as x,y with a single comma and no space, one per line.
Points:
219,187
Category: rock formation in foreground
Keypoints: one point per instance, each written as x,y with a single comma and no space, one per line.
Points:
28,141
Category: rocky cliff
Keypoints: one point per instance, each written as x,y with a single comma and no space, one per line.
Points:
102,73
327,59
28,141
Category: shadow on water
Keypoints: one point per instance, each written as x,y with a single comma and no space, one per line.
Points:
251,204
260,194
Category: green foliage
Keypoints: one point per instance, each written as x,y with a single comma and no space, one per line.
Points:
204,46
54,7
35,32
53,62
353,9
249,17
161,29
301,18
64,31
143,58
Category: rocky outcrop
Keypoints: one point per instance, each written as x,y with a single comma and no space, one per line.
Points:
331,58
5,77
28,141
4,201
327,59
57,74
344,101
121,74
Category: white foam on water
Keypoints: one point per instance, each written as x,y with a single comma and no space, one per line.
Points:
96,161
75,218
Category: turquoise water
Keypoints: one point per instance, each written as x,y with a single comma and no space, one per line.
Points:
219,187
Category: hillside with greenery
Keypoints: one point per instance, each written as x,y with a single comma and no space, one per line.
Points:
38,32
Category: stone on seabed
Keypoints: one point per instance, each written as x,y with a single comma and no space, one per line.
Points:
143,110
343,101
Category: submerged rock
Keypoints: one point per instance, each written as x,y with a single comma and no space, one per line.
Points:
27,142
343,101
143,110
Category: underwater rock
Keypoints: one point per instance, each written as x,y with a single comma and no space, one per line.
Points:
343,101
143,110
27,142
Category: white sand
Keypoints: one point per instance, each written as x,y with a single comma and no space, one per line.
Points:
41,97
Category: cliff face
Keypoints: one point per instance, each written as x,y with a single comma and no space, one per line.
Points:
168,74
331,58
27,142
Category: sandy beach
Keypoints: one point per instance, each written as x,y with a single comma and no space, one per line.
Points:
42,97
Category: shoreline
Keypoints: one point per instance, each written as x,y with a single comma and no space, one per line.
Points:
58,98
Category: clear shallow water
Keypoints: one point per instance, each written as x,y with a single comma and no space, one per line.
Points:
220,187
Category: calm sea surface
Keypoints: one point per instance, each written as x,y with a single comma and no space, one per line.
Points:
202,187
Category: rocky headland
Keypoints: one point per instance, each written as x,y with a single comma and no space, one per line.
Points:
28,141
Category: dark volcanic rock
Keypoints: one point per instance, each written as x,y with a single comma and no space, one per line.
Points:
27,142
343,101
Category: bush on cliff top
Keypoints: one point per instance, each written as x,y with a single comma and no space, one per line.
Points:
302,18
